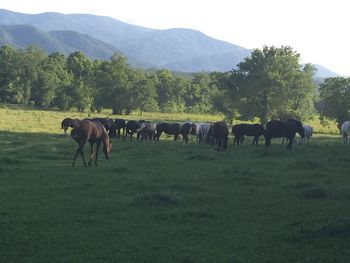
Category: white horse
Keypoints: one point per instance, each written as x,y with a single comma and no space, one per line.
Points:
308,130
345,131
203,132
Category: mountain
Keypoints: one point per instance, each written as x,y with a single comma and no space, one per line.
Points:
177,49
182,50
22,36
323,72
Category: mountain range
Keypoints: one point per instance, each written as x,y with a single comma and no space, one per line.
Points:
178,49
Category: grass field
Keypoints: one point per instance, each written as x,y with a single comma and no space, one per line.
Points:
167,202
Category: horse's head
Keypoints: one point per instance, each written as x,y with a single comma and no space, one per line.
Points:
107,147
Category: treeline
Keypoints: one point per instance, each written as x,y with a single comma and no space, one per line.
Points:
271,83
32,77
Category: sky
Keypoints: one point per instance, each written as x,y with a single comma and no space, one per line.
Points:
317,29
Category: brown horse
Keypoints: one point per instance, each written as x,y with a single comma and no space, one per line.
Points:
93,132
69,122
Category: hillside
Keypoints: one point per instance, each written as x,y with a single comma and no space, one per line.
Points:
182,50
179,49
22,36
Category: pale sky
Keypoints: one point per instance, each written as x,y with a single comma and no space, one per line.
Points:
317,29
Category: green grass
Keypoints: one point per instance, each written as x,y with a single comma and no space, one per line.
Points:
170,203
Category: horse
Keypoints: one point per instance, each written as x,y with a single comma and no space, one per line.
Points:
168,128
345,131
132,127
240,130
220,134
95,133
308,130
147,131
186,129
205,133
287,129
69,122
106,122
120,124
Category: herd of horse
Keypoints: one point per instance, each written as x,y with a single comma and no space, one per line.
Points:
100,131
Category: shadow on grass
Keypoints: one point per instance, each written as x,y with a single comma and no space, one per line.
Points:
155,200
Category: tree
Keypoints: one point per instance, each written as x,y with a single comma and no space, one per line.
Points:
111,79
7,72
80,67
271,83
335,98
165,87
143,91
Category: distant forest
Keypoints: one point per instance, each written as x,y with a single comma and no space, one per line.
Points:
271,83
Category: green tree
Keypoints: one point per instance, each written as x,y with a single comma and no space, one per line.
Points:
271,83
112,84
335,98
143,91
165,87
82,93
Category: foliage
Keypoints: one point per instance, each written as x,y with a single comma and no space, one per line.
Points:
269,84
335,99
272,84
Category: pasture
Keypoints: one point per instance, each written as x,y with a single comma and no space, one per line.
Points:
167,202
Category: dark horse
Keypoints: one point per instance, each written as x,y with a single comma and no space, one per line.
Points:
69,122
219,134
285,129
120,124
240,130
93,132
132,127
168,128
186,129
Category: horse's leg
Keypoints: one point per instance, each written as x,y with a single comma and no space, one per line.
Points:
76,154
79,150
65,130
256,139
158,135
267,141
290,143
92,153
98,145
185,138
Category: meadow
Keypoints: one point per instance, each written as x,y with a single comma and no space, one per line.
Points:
168,202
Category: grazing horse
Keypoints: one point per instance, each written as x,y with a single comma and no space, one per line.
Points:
95,133
120,124
69,122
240,130
287,129
106,122
168,128
132,127
147,131
220,134
345,131
308,130
196,130
186,129
205,133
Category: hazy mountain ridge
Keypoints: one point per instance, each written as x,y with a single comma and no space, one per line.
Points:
22,36
153,47
176,49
